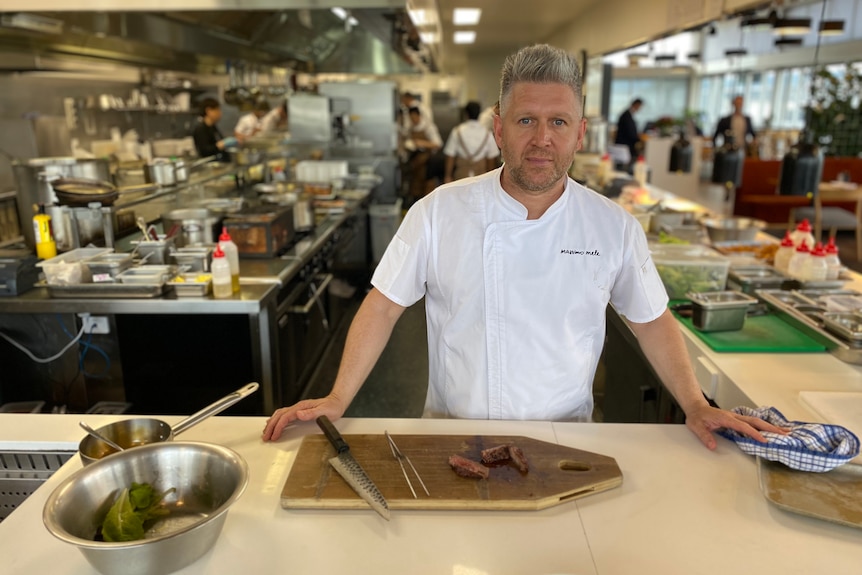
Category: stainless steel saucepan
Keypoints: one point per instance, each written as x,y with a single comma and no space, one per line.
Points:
135,432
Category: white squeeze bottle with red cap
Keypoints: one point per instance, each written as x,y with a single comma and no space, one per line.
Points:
785,251
814,269
640,171
220,270
833,264
802,233
232,254
605,168
796,267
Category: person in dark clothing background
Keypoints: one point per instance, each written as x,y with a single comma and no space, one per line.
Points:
627,130
737,125
209,141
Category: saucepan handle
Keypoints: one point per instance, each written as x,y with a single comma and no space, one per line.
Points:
214,408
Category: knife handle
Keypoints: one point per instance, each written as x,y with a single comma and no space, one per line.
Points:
332,434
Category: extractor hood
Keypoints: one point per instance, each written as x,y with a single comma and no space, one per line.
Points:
369,41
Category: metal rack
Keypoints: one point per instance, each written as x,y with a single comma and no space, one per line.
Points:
22,472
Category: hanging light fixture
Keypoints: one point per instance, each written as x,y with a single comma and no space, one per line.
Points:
784,42
831,27
792,26
761,22
802,165
741,51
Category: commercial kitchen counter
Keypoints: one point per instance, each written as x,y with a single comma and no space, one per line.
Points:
260,282
680,510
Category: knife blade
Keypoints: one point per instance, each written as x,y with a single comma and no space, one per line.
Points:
350,470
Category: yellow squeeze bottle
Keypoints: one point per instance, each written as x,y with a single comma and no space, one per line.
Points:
46,247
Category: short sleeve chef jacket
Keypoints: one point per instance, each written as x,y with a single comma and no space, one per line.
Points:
516,307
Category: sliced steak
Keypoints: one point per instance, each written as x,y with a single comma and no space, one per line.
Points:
468,468
519,459
496,454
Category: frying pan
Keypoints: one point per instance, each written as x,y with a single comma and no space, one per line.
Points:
140,431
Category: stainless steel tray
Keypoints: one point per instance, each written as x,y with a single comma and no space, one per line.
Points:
834,496
107,290
845,324
804,311
187,285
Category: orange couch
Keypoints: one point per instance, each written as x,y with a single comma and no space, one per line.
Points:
758,197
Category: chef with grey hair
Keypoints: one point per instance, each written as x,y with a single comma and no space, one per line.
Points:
517,267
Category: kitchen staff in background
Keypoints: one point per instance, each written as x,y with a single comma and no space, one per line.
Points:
420,143
251,123
737,125
627,130
409,101
517,267
471,149
275,120
486,118
208,139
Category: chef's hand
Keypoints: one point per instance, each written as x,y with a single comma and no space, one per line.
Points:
229,142
705,419
306,410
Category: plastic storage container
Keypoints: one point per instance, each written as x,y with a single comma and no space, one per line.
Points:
108,266
693,268
385,219
69,268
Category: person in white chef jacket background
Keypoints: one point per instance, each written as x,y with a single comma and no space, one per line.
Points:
251,123
517,267
470,149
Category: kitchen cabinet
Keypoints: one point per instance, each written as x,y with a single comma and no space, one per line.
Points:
633,392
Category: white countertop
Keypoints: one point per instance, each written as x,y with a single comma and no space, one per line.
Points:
681,509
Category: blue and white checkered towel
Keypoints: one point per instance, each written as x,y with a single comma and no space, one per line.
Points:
816,447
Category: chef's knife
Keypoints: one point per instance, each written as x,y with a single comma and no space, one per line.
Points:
351,471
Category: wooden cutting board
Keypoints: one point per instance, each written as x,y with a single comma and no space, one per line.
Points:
557,474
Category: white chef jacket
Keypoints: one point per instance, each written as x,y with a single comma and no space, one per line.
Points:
269,123
247,125
516,307
477,140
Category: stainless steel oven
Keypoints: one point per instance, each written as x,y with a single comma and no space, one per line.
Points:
304,329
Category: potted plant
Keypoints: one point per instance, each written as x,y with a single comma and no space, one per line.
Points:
833,121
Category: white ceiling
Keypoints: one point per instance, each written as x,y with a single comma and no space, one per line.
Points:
505,25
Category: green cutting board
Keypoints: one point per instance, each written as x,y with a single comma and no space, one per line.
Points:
760,334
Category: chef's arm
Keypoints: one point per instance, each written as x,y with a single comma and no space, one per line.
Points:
368,334
662,343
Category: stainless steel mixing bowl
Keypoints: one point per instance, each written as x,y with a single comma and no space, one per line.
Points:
208,479
732,229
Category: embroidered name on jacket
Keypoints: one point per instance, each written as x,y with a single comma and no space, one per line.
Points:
581,252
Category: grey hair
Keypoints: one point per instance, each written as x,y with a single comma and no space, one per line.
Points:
540,64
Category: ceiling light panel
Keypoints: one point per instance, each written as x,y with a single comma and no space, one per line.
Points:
466,16
465,37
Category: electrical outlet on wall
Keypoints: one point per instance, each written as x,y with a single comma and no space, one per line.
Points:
95,324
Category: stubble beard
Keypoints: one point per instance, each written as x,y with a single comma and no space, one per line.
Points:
536,182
